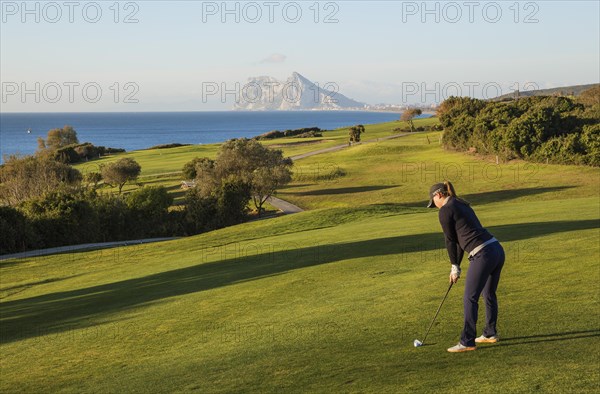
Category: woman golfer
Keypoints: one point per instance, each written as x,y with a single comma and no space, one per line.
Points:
463,232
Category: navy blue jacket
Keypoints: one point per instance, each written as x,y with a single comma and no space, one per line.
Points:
462,229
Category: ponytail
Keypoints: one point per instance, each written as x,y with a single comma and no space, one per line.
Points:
451,192
449,189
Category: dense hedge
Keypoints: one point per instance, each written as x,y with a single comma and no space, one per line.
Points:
167,146
82,152
542,128
63,217
306,132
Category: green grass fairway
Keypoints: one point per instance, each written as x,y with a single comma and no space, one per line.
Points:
400,170
328,300
162,167
169,160
156,161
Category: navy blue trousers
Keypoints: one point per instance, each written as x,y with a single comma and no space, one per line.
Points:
483,276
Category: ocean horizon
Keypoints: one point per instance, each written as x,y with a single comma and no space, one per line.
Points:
141,130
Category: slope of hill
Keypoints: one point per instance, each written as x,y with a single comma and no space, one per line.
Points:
326,300
574,90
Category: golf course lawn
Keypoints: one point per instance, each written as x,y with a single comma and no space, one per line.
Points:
162,167
327,300
169,160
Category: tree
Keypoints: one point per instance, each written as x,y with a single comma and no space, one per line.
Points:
121,172
266,181
93,178
355,132
207,179
148,208
226,205
195,166
241,162
152,200
232,202
250,162
23,178
58,138
200,212
409,115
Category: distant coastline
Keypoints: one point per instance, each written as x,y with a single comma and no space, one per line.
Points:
140,130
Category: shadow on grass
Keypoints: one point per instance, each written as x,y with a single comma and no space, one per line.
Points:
294,185
507,195
341,190
40,282
559,336
238,262
492,196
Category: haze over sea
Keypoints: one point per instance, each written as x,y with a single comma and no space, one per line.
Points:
140,130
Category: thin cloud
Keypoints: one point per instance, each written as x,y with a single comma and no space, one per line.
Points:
274,58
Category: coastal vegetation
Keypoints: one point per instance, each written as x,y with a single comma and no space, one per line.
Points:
63,145
355,132
305,132
551,129
48,203
409,115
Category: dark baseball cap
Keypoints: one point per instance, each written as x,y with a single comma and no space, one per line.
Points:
438,187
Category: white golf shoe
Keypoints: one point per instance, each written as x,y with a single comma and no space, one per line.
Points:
461,348
484,339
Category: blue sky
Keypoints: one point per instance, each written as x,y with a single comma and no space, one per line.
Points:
375,52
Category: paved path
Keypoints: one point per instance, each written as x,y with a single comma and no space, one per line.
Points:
284,206
342,146
70,248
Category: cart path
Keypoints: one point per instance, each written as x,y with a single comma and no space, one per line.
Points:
71,248
284,206
342,146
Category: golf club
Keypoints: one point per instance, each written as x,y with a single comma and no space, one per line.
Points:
418,343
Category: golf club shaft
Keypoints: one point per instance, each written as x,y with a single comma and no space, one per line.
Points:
436,313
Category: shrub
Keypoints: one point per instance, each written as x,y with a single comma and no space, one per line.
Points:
166,146
61,218
232,202
537,128
148,208
310,134
31,176
114,219
15,231
287,133
201,212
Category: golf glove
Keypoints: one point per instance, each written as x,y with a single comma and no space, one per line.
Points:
454,273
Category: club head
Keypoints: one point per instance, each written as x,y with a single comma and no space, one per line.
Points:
417,343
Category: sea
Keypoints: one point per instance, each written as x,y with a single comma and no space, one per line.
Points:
141,130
